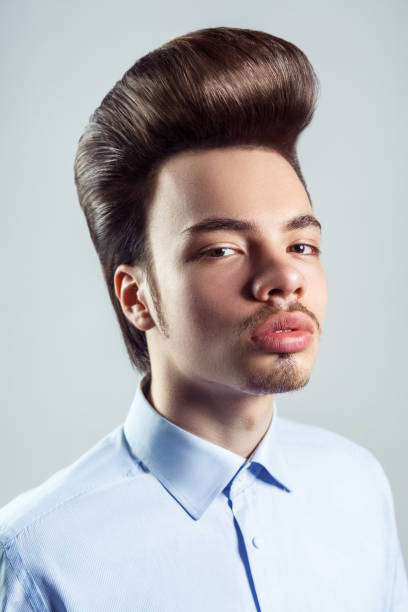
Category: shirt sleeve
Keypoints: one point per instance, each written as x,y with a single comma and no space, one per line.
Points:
399,592
398,584
13,595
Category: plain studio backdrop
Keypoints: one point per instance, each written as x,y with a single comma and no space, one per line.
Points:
67,378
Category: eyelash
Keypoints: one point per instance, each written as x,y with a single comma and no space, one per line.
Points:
317,251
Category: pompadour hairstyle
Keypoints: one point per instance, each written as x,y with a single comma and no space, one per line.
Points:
213,87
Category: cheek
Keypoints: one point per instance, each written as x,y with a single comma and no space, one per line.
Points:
319,296
209,285
212,298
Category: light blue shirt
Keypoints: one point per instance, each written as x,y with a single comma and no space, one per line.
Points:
156,519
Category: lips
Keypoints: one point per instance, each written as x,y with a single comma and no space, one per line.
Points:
274,336
285,320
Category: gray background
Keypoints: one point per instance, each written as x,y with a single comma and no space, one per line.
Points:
67,380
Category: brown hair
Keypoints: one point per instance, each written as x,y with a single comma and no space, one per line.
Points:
210,88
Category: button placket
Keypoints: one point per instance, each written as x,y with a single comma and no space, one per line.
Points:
243,511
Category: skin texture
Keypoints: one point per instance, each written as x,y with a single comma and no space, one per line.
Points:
199,312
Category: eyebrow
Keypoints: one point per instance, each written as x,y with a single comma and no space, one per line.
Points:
213,224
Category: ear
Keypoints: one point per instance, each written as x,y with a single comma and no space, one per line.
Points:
130,289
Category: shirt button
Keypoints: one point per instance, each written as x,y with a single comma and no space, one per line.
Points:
257,542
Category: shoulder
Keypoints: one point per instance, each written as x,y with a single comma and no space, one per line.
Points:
321,453
103,466
44,528
315,440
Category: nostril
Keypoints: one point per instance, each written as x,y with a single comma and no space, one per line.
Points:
274,291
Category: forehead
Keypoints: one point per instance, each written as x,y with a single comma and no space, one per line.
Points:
256,184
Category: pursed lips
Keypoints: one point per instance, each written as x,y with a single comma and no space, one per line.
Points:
282,321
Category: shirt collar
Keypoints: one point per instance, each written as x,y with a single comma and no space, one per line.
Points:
192,469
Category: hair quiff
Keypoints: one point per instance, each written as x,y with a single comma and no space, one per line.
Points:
210,88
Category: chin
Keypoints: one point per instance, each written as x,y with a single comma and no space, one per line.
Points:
287,373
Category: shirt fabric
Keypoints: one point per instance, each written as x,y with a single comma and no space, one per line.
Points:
156,519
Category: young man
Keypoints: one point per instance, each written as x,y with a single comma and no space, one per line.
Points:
206,499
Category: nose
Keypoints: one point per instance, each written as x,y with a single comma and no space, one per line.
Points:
279,278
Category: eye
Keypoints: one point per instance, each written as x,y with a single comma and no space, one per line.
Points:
302,249
215,250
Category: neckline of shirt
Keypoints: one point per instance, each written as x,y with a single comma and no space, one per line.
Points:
193,469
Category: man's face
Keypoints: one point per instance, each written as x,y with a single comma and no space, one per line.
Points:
211,289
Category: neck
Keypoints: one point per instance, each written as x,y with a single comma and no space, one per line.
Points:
229,418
